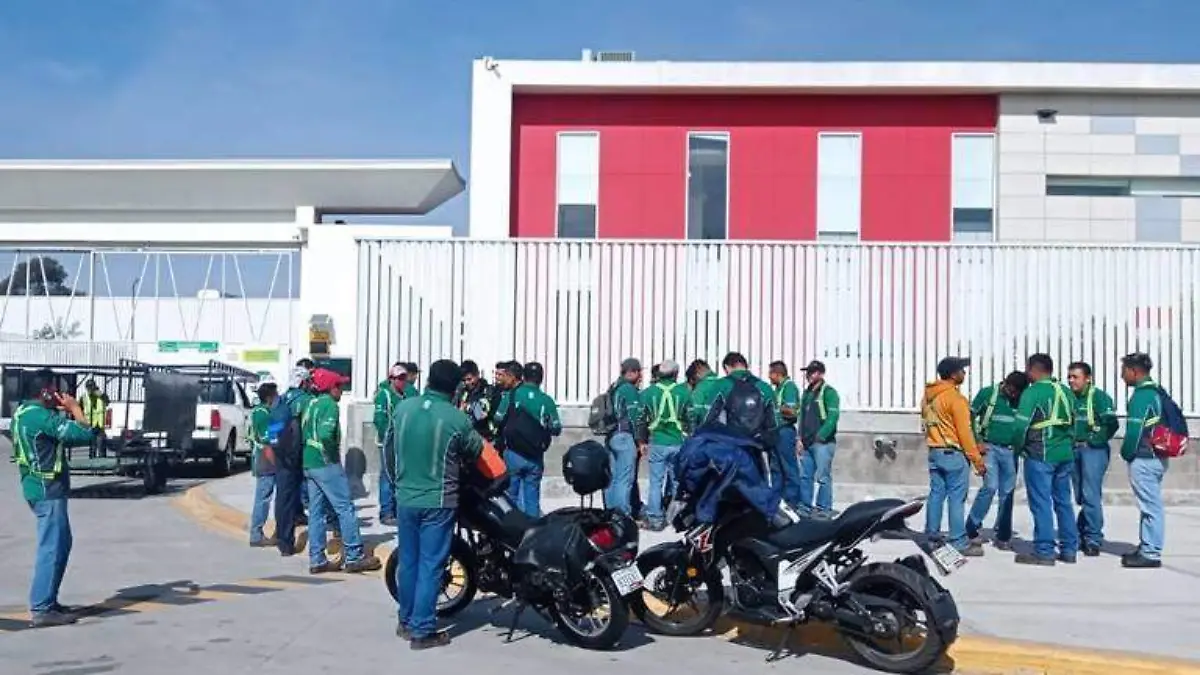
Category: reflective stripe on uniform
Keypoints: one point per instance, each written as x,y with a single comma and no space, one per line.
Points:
24,453
1059,406
666,405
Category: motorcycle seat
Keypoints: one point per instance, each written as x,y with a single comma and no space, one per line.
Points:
850,524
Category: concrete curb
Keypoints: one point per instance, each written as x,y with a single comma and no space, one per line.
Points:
969,654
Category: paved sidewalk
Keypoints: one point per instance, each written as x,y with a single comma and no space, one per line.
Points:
1094,604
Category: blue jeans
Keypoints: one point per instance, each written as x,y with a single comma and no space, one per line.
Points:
328,488
785,467
1090,466
1004,527
387,483
1049,489
524,482
423,539
623,451
1146,477
264,490
53,550
817,467
949,477
1001,478
662,478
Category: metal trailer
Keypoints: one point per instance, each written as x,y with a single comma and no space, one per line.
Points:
169,401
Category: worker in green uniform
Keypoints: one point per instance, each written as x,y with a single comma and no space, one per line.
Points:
262,460
95,409
528,421
291,497
435,442
785,463
627,444
41,435
994,416
820,410
387,396
325,479
743,404
1043,437
1095,425
666,401
702,380
1146,469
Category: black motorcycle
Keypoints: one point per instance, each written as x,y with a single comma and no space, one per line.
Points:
573,566
791,570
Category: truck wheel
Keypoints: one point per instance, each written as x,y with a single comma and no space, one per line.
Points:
227,459
154,476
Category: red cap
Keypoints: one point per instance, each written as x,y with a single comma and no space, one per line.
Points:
324,379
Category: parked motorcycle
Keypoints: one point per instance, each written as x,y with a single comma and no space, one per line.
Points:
894,615
573,566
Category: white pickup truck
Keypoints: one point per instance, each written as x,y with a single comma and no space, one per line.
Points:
222,422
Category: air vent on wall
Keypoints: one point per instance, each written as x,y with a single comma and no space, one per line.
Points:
608,56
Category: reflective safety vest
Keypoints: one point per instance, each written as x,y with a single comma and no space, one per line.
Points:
819,397
94,410
987,412
666,413
27,456
1090,406
1061,412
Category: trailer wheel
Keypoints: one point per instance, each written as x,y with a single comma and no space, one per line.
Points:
154,476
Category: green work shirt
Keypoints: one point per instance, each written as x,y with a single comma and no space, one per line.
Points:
632,417
434,441
820,410
666,401
260,417
322,433
40,437
1142,414
1045,416
788,394
530,398
701,399
1095,418
722,388
386,400
299,401
1000,426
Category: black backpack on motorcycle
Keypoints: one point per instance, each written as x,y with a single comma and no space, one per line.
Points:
745,410
587,467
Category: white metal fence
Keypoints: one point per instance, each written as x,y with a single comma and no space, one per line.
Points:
879,315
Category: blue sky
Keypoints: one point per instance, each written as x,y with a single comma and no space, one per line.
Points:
391,78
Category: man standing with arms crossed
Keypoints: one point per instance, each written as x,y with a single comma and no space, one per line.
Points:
41,436
1095,425
667,402
819,412
1042,436
387,396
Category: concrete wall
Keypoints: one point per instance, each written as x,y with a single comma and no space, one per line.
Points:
1096,135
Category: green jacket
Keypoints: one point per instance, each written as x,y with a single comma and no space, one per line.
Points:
386,400
434,440
701,399
994,417
1095,418
632,417
720,393
666,401
1045,417
40,438
260,417
530,398
819,412
788,394
1141,416
299,401
322,432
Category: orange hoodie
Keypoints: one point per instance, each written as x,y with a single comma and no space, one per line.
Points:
946,417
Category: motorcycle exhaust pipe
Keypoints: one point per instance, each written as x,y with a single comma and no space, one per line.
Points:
846,619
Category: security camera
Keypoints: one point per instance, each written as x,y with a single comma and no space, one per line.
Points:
1047,115
885,447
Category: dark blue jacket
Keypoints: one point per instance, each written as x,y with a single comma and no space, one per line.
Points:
714,461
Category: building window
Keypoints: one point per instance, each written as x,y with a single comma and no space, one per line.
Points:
578,181
839,186
973,186
708,186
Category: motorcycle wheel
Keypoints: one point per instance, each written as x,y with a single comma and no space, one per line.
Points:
666,604
606,631
901,585
460,574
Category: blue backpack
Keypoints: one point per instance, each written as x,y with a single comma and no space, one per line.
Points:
283,431
1170,437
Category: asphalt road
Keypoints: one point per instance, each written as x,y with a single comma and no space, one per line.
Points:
188,601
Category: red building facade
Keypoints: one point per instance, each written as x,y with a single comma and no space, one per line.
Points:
769,155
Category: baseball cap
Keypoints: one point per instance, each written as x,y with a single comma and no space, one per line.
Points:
815,367
630,365
951,365
325,379
397,372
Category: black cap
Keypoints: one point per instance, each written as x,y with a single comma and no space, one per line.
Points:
815,367
951,365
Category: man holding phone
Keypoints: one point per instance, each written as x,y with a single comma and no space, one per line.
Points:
41,432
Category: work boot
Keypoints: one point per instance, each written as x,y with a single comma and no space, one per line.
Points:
438,639
1091,550
262,543
51,618
1031,559
1002,544
973,550
365,564
1068,558
324,567
64,609
402,631
1136,561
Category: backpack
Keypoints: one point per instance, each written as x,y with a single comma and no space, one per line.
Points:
283,432
602,418
1169,437
525,435
745,411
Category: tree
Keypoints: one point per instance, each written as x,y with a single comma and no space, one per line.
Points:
45,276
58,330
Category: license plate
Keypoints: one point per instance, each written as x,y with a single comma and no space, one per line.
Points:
628,579
948,558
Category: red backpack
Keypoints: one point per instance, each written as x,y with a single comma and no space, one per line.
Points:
1169,437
